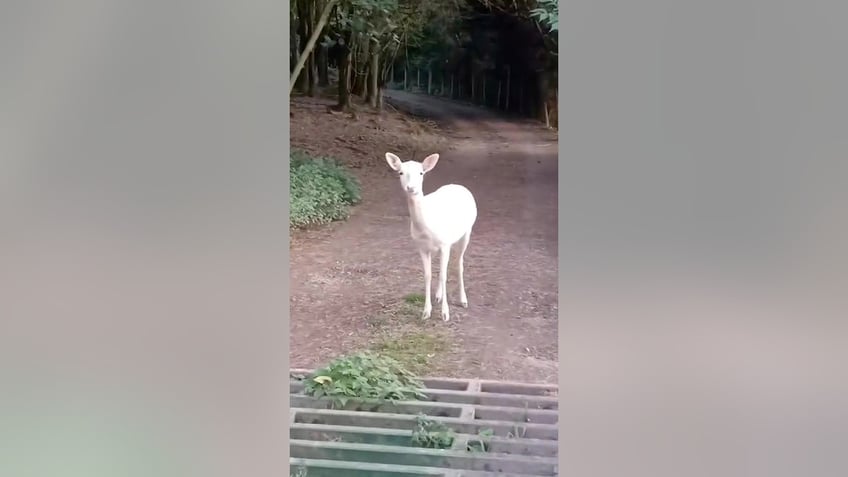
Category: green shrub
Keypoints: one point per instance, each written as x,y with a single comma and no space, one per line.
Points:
364,376
321,190
431,434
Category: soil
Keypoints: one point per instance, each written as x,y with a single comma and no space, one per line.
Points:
350,278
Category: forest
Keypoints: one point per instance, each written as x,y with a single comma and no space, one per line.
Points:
499,54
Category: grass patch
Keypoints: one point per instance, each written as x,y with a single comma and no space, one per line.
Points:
416,351
400,333
399,314
414,299
321,190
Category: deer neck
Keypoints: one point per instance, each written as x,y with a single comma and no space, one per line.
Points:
416,210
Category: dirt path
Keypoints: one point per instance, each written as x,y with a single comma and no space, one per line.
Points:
349,279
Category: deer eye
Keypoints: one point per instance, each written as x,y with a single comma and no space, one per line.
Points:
400,173
422,173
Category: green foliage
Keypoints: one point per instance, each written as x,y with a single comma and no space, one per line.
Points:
414,299
364,376
365,18
481,443
321,190
547,14
431,434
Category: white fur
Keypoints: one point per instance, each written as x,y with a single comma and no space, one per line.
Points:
438,221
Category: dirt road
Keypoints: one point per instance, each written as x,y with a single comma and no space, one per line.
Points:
345,275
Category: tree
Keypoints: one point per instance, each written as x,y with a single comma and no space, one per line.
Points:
310,45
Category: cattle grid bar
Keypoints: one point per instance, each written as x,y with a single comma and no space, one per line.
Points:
517,422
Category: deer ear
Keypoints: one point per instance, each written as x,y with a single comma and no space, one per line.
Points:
429,162
393,160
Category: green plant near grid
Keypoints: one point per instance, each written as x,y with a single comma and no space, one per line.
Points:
431,434
364,376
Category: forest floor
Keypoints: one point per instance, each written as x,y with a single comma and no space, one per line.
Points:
358,284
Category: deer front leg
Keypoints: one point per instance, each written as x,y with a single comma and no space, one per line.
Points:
443,277
428,276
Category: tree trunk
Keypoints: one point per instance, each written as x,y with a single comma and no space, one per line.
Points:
346,52
355,82
521,96
310,45
418,81
442,88
312,79
344,80
294,52
303,34
506,106
543,97
429,80
451,90
388,65
484,89
296,48
323,69
361,85
405,82
473,89
374,92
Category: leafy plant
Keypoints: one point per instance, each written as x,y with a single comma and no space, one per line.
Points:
431,434
364,376
321,190
481,443
547,14
518,432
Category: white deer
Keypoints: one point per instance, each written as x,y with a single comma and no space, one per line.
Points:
438,221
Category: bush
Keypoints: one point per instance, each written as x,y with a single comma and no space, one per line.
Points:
321,190
364,376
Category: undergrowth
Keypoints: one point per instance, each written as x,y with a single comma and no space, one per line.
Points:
431,434
364,376
481,443
321,190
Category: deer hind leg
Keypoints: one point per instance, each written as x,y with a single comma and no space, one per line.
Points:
443,276
463,244
440,293
428,276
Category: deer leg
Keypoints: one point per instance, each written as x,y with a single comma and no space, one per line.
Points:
463,244
443,276
428,276
439,292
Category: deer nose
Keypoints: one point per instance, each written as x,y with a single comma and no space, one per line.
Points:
410,189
